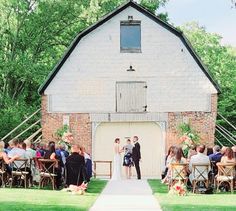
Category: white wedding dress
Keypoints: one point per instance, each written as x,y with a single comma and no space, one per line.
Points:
116,175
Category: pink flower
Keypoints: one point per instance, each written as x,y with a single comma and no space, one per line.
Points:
177,187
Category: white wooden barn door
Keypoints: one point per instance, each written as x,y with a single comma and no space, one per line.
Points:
150,139
131,96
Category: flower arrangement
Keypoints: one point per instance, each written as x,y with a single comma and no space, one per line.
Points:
67,139
188,137
80,190
65,136
179,189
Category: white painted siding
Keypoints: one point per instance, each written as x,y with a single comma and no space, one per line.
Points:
130,96
87,80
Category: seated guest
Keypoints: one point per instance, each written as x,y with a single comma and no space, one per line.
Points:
88,163
7,148
192,151
168,158
57,154
17,151
234,150
40,150
4,156
61,151
209,151
75,167
31,154
199,158
29,151
223,150
228,156
216,156
51,154
177,157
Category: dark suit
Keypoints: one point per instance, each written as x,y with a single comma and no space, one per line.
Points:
75,169
136,155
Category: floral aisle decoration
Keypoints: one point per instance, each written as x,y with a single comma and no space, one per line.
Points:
188,137
79,190
179,189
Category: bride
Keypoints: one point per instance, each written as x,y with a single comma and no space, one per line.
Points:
116,175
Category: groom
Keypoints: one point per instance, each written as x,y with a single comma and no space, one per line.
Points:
136,155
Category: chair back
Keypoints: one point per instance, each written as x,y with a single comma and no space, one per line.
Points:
47,166
226,170
200,171
19,166
178,171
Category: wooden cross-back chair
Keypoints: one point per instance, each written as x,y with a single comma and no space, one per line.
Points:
47,171
19,170
178,173
200,174
226,173
2,171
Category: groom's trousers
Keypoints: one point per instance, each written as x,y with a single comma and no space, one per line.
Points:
136,163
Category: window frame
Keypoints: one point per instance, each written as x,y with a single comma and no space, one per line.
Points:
131,50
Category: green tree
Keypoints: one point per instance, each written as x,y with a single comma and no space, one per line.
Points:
221,62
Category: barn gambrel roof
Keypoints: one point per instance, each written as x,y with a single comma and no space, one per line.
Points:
108,17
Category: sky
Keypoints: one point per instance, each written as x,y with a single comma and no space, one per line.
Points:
217,16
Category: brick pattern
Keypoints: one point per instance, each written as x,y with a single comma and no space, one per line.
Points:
202,122
80,126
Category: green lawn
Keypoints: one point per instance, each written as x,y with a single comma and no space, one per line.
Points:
200,202
18,199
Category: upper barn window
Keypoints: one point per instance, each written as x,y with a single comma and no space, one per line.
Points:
130,36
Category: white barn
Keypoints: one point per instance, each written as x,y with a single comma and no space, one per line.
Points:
130,74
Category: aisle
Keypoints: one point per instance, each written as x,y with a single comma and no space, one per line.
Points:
126,195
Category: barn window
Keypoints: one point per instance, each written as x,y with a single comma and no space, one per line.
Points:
130,36
131,96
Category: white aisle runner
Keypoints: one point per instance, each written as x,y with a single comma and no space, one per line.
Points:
126,195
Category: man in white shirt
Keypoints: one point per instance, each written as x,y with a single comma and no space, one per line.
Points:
199,158
17,151
29,151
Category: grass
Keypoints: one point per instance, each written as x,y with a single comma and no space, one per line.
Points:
18,199
200,202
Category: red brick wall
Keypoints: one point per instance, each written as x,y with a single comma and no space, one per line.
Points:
201,122
80,126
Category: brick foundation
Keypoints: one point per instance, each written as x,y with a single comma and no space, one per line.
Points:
80,126
202,122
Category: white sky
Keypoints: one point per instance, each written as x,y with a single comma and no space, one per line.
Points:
217,16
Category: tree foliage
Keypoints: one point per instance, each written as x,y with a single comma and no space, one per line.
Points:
221,62
34,34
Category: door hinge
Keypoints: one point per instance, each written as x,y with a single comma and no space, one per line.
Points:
145,108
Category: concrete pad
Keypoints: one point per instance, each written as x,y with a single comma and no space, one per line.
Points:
126,195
